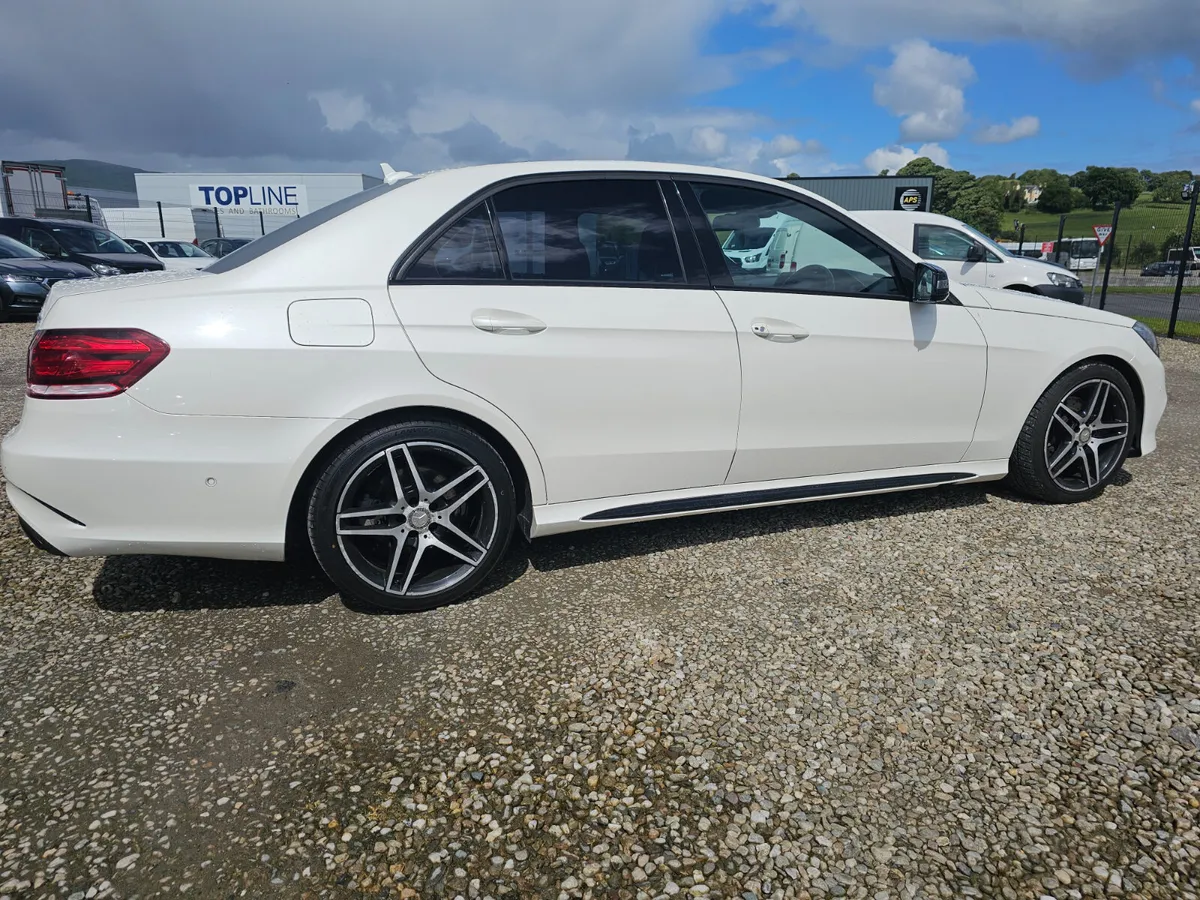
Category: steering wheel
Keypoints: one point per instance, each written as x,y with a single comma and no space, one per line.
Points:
813,272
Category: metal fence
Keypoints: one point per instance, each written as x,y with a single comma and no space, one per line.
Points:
161,220
1147,266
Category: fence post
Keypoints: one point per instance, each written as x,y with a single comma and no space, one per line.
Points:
262,229
1128,247
162,226
1111,244
1021,241
217,221
1062,226
1183,260
87,204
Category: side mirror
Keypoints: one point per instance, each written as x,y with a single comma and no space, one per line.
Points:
931,284
976,253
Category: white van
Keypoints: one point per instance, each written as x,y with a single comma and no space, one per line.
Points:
971,257
748,242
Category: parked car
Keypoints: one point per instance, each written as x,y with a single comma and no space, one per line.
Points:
970,256
172,254
1161,270
26,277
404,379
97,248
223,246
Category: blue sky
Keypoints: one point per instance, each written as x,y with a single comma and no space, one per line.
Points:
812,86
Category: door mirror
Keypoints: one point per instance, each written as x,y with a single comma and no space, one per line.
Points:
931,284
976,253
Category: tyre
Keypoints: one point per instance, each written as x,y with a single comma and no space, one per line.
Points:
412,516
1076,437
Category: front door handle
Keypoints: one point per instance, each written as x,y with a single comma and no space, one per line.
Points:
505,321
778,330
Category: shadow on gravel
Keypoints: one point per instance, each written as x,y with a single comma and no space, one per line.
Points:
602,545
146,583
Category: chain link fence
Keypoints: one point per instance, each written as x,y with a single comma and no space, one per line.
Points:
1147,266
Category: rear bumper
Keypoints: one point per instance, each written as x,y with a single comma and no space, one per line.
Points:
111,476
1069,294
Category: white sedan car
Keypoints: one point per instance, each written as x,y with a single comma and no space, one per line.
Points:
172,254
406,378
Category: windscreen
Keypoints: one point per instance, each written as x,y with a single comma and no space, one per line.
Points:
302,225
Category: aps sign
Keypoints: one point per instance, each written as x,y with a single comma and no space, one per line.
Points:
246,198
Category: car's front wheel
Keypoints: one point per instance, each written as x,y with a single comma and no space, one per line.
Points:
1076,437
412,515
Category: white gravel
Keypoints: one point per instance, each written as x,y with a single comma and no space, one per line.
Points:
939,694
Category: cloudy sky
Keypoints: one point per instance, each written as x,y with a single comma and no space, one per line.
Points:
812,86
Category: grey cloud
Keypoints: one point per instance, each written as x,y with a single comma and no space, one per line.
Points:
474,142
1099,36
233,80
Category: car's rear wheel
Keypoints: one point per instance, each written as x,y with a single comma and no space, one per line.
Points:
412,515
1076,437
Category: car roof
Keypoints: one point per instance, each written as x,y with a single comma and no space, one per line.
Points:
27,220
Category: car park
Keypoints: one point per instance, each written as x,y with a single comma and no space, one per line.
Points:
172,254
79,242
26,277
219,247
406,379
971,257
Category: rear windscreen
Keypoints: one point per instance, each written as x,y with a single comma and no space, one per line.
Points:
304,224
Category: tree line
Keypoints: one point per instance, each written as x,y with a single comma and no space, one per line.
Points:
983,201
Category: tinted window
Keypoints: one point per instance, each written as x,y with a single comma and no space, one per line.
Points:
467,249
14,249
606,230
42,242
139,247
938,242
89,240
771,241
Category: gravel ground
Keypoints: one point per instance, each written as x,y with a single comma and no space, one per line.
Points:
937,694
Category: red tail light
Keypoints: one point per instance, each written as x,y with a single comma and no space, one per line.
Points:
103,362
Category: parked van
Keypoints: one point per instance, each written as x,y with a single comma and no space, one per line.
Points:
971,257
1191,257
748,242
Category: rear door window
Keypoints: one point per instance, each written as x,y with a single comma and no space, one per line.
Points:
592,231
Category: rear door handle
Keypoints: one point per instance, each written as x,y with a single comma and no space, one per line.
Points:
505,321
778,330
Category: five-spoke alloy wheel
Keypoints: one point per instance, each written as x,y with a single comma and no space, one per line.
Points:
413,515
1077,436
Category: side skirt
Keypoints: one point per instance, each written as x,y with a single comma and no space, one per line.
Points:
557,518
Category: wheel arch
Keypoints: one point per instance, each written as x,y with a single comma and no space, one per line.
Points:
1135,383
296,537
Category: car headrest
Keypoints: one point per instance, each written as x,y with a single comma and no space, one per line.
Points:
735,222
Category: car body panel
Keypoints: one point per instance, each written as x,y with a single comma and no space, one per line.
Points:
813,408
239,401
625,390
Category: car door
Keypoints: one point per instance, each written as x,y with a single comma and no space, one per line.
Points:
963,257
841,373
564,303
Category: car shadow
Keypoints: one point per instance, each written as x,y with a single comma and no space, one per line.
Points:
128,584
608,544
